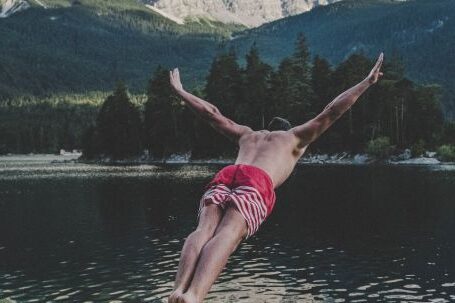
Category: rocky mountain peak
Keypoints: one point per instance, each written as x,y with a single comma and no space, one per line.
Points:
250,13
9,7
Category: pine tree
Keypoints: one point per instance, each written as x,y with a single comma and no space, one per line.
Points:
321,79
224,90
280,92
301,81
119,125
166,131
255,110
424,118
354,122
394,67
224,83
321,73
291,87
89,143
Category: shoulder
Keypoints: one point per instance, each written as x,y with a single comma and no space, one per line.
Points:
249,134
289,140
283,137
296,138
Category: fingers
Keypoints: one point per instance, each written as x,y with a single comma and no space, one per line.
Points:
379,62
174,74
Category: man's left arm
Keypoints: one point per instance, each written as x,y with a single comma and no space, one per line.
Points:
311,130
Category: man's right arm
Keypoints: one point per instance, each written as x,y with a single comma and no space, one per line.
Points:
310,131
208,112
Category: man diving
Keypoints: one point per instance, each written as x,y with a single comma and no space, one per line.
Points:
241,196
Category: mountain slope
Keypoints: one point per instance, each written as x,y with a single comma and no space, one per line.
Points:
9,7
250,13
87,45
421,32
91,44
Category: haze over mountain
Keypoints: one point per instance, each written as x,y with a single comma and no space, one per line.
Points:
250,13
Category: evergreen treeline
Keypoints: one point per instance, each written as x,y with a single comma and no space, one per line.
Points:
88,45
421,31
408,114
30,125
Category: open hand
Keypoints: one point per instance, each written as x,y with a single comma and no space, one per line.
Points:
376,73
174,76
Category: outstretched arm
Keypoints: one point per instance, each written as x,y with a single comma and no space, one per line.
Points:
208,112
310,131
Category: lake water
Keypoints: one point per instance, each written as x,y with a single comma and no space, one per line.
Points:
75,233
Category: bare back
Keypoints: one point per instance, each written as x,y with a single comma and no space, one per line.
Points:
275,152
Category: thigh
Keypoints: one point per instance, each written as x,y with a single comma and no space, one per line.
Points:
232,224
209,218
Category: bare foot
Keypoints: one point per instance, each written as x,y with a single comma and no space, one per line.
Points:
188,298
175,296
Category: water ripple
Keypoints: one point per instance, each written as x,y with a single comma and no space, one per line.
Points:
75,233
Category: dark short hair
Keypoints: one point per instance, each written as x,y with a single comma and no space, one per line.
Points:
278,123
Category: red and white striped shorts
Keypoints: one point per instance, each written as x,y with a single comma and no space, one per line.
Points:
248,188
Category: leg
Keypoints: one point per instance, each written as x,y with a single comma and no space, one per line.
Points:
230,232
208,221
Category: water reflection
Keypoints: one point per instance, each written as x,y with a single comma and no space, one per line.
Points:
338,234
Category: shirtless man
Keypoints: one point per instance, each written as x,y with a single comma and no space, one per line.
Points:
241,196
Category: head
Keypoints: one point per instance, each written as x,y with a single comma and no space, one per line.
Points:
278,123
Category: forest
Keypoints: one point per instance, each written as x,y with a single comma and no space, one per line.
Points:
87,45
397,111
421,33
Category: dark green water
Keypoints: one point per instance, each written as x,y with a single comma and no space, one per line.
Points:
80,233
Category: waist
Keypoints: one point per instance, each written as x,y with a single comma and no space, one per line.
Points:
239,176
244,174
256,170
278,169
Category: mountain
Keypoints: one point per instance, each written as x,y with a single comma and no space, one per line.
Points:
9,7
420,32
250,13
87,45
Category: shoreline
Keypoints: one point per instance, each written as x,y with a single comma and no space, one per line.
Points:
340,158
312,159
361,160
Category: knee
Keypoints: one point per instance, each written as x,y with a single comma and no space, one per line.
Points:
205,232
232,236
199,236
236,233
207,228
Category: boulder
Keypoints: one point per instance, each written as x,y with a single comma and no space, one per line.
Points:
430,154
406,155
361,159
